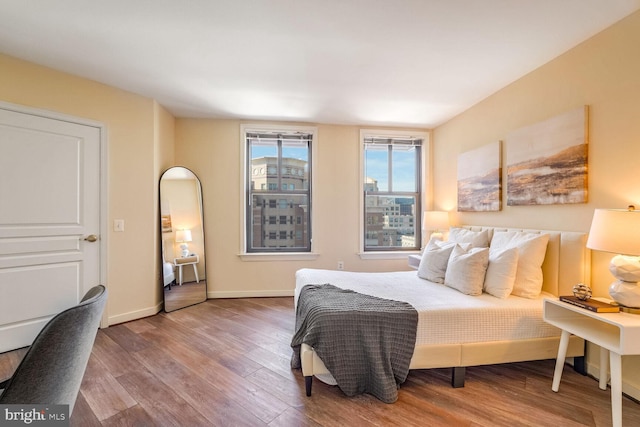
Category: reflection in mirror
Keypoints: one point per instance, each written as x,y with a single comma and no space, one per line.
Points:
182,234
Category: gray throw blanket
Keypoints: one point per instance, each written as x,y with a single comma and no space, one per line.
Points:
365,342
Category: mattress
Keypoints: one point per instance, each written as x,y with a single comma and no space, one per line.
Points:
167,272
445,316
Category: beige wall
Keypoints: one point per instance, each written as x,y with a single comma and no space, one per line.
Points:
603,73
211,148
136,129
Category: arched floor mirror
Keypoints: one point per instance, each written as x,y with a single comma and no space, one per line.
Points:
184,276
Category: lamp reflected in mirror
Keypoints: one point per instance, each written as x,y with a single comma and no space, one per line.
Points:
184,237
182,234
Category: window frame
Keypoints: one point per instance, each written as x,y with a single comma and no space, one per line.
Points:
247,254
424,189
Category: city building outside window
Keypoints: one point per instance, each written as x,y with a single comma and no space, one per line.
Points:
283,192
392,192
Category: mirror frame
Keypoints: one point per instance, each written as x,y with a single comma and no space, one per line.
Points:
178,262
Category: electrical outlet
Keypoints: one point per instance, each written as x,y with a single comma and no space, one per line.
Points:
118,225
340,265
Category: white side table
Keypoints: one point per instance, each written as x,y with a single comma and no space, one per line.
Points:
617,334
414,261
192,259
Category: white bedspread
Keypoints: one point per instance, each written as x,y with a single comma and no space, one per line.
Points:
445,316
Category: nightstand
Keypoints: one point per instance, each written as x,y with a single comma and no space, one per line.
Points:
414,261
617,334
192,259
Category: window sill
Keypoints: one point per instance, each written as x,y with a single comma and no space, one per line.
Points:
289,256
387,255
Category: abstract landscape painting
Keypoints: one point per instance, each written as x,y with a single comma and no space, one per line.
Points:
166,223
480,179
547,161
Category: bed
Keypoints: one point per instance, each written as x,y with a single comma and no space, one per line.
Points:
456,330
168,274
168,270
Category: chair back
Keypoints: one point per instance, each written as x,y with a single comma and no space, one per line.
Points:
52,369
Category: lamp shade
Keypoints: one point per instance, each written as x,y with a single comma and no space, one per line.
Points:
616,231
183,236
435,220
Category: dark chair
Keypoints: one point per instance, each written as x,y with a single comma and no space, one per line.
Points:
52,369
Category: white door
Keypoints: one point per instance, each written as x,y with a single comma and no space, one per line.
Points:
49,208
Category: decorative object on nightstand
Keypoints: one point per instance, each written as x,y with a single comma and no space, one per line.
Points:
184,236
436,222
618,231
582,291
582,298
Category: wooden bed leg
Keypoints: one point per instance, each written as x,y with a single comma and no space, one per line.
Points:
579,365
307,384
457,376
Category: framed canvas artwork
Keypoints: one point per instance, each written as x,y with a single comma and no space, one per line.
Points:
166,223
547,161
480,179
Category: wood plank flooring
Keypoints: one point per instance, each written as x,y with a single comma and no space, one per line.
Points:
226,363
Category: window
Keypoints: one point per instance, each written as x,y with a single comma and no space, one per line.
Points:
287,195
392,192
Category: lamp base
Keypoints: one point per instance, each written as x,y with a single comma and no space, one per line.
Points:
185,250
625,268
625,293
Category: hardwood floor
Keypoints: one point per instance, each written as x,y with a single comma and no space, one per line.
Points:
226,363
180,296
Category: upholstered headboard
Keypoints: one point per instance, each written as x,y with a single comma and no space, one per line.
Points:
567,261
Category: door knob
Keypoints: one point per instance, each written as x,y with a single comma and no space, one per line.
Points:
91,238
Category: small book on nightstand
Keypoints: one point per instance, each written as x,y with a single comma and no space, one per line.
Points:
591,304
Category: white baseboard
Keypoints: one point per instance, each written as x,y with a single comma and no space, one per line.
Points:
135,315
248,294
150,311
629,389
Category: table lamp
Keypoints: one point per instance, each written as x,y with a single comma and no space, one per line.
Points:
435,221
618,231
184,236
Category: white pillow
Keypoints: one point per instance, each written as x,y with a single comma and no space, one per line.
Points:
478,239
501,272
434,260
466,269
532,248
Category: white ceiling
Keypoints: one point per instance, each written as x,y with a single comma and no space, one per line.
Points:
369,62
